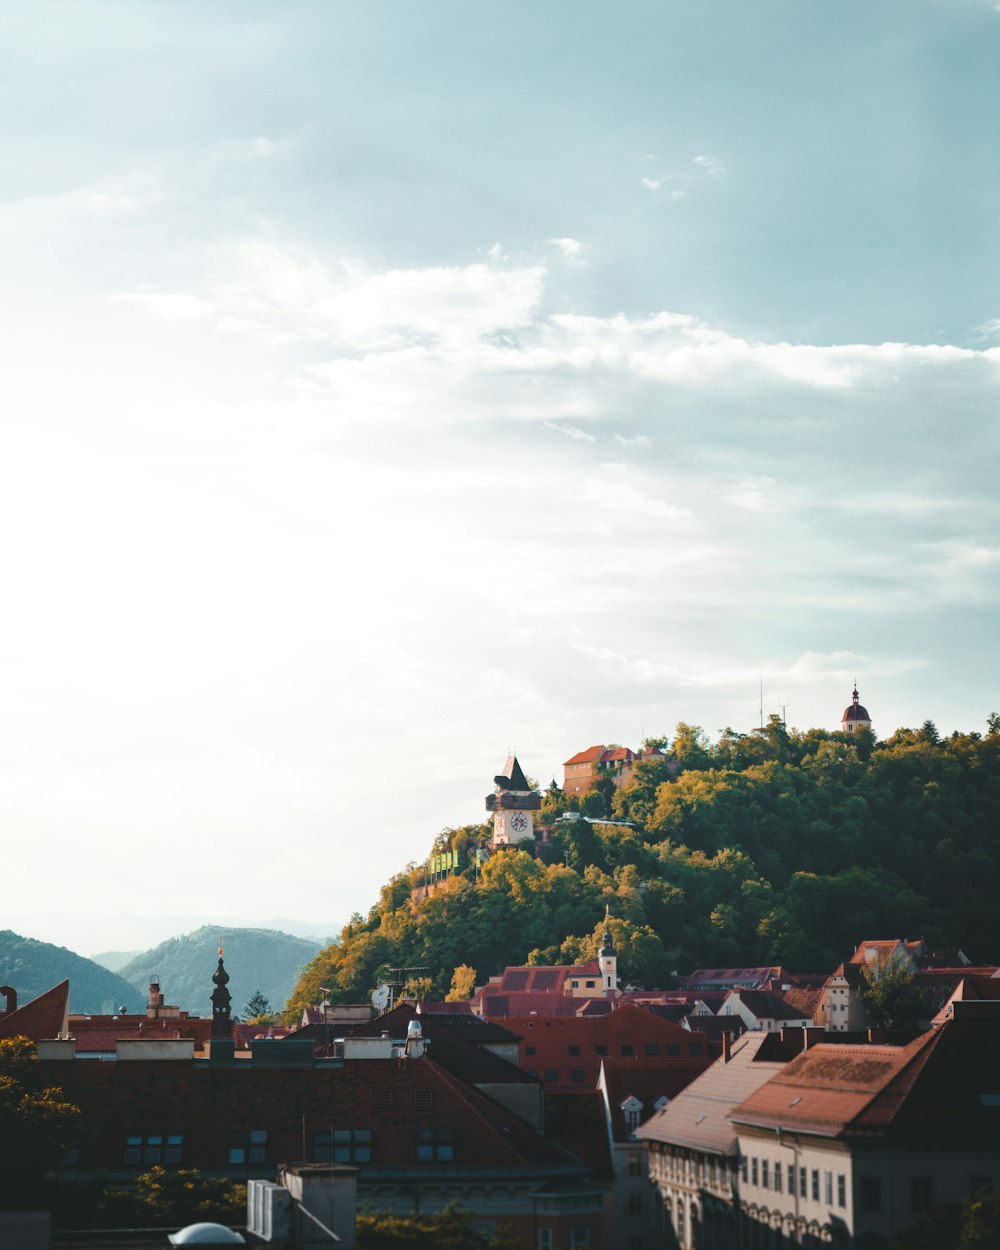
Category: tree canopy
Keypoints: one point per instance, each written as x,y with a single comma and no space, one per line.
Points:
774,846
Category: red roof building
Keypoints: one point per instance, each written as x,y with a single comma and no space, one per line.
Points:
45,1016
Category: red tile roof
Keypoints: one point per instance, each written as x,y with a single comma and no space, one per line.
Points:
626,1033
590,756
43,1018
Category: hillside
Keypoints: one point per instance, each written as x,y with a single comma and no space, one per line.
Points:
256,959
114,960
776,846
32,967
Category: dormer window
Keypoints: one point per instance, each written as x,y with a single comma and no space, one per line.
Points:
632,1110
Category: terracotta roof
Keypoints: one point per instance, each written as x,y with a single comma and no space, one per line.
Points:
613,754
788,1005
856,712
885,947
697,1116
934,1085
43,1018
590,756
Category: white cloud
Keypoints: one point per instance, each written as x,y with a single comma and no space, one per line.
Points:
571,431
651,184
636,440
753,496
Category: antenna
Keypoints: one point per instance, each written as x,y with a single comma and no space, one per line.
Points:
762,700
784,708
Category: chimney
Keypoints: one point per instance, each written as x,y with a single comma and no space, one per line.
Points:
10,1000
811,1036
727,1047
876,1036
155,998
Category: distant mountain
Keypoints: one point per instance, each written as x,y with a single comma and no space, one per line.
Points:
256,959
32,967
114,960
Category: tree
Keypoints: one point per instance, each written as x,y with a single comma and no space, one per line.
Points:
451,1229
172,1198
257,1010
463,982
890,994
37,1124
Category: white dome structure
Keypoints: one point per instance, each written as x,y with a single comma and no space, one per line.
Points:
206,1235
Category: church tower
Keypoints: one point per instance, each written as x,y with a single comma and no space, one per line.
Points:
513,803
855,716
607,960
222,1024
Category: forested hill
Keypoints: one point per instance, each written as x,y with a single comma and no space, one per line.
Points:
258,960
32,967
769,847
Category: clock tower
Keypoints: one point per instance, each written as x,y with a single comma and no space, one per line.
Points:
513,803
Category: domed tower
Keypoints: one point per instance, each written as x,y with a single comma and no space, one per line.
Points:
512,804
855,716
222,1024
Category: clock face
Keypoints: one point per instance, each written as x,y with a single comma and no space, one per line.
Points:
519,822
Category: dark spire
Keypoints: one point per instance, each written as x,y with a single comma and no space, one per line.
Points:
607,942
222,1025
512,777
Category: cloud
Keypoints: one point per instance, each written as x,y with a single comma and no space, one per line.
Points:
571,431
637,440
651,184
751,497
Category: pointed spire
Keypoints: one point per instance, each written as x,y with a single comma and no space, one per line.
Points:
855,695
607,941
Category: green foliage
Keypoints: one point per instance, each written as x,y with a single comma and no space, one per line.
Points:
975,1225
165,1198
37,1124
450,1230
890,995
776,846
258,1009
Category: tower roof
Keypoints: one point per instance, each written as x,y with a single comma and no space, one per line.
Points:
854,711
512,777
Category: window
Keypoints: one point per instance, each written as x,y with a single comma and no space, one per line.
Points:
695,1049
753,1171
815,1184
435,1145
635,1165
871,1194
802,1182
247,1146
579,1238
628,1051
574,985
632,1114
574,1052
841,1190
546,1239
828,1188
550,1074
765,1177
791,1178
635,1204
530,1050
652,1048
921,1192
673,1049
743,1169
342,1145
600,1050
576,1076
153,1148
590,985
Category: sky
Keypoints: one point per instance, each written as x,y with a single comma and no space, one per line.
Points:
388,386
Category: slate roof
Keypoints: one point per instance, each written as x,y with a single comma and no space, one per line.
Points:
697,1116
204,1104
516,779
43,1018
647,1080
576,1119
779,1006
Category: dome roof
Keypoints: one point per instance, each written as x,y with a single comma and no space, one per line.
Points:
856,712
206,1235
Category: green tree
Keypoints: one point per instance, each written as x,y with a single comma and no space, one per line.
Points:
37,1124
169,1198
981,1229
890,995
257,1009
452,1229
